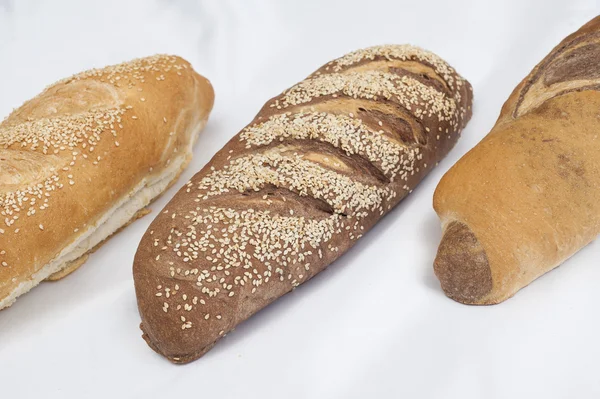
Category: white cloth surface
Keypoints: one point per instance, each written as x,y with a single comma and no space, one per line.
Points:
376,323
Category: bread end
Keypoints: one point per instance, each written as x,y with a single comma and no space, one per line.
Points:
462,266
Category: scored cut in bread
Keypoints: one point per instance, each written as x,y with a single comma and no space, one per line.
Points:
86,156
314,171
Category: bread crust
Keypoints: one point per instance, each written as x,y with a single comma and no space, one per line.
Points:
87,145
317,167
527,193
77,263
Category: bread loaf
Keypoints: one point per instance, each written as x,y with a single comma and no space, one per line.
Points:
314,171
526,197
85,157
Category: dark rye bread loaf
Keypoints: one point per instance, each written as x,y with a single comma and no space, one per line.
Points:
526,197
317,168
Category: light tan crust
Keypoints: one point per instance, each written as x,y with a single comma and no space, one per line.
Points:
93,145
76,264
72,266
317,167
527,194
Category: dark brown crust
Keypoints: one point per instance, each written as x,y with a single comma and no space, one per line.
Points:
181,359
367,171
391,113
425,77
462,266
398,125
163,329
546,64
581,63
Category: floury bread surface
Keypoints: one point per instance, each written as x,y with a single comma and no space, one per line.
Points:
85,157
314,171
527,197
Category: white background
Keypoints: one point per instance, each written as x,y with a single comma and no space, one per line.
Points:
375,324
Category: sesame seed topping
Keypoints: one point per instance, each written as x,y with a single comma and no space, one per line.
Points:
57,135
400,52
229,248
294,172
407,91
351,135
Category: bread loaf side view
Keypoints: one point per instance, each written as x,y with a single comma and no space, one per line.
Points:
85,157
318,166
526,197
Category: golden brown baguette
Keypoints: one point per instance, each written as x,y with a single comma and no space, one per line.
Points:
316,169
527,196
85,157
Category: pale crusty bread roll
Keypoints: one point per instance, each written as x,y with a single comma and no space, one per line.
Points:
316,169
85,157
527,196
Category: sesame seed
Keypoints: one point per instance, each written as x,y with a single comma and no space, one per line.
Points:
253,246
